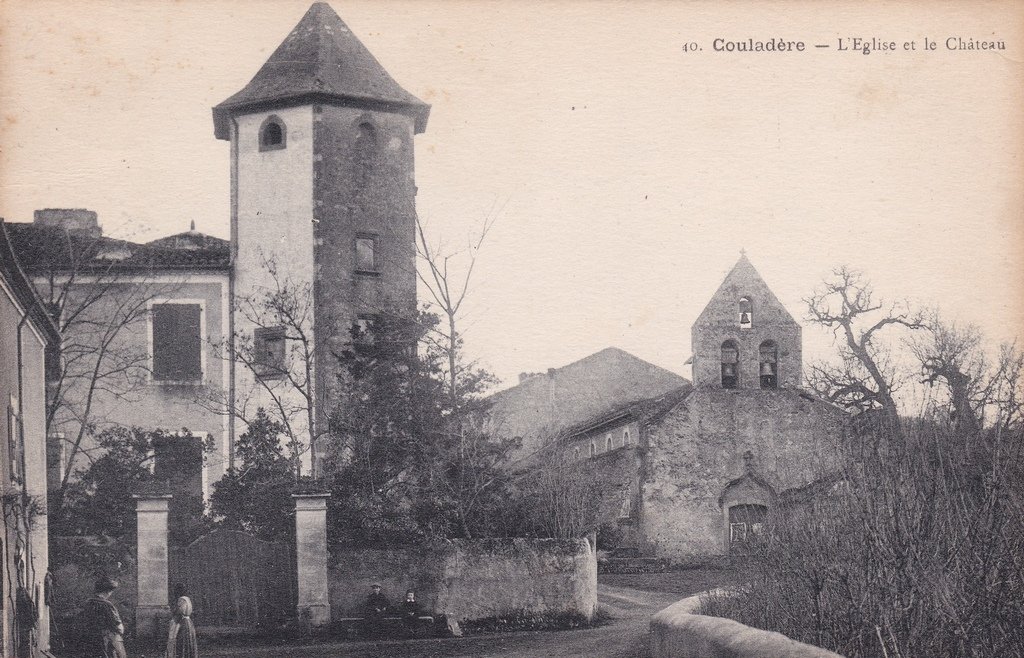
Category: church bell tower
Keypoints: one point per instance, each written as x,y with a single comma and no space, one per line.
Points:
745,338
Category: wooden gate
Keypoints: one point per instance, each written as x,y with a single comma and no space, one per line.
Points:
235,579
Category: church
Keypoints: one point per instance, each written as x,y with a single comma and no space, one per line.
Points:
693,469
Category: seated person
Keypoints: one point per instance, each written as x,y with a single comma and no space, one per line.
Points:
375,608
410,608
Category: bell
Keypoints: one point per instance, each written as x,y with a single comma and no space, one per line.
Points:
728,369
744,317
766,368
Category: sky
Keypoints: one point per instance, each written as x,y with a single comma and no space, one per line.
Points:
624,173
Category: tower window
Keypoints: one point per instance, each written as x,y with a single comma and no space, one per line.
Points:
625,437
769,364
269,351
746,313
608,442
272,134
366,254
365,152
364,329
730,365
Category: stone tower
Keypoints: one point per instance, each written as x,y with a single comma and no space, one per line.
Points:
322,189
744,338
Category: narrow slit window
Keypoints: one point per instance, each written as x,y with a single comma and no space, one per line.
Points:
730,365
366,254
625,437
769,364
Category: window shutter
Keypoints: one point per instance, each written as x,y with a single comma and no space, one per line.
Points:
177,343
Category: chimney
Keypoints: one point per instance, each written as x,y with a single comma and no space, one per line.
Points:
74,220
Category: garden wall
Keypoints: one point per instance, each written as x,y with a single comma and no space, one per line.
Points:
471,579
678,633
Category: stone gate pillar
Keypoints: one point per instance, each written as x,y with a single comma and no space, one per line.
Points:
151,611
311,557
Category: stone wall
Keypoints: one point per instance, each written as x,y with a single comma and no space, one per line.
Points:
678,633
471,579
720,448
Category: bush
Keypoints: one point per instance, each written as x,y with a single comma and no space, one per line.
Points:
916,550
524,620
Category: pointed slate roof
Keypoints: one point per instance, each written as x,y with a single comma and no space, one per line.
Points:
321,61
743,279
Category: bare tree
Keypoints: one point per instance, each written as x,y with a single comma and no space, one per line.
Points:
99,293
952,357
278,348
565,497
867,376
471,468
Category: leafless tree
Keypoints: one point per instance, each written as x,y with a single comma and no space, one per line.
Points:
979,389
100,306
867,376
283,382
447,276
565,497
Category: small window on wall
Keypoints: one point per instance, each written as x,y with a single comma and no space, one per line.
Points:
746,313
269,349
769,368
608,443
177,342
576,454
15,440
593,449
272,134
366,254
625,437
730,365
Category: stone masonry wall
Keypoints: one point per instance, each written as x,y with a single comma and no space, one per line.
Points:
363,188
470,579
676,632
779,439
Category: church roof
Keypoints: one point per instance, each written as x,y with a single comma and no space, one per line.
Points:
742,280
321,61
543,405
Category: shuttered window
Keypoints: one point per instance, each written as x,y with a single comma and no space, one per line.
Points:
177,342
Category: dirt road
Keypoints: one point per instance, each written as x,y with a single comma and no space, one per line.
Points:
624,637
